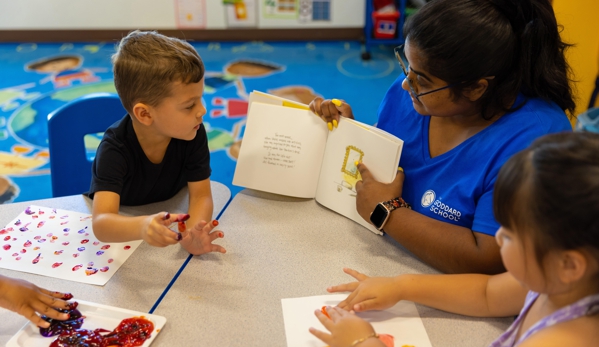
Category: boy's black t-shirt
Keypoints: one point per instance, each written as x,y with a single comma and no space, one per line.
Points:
122,167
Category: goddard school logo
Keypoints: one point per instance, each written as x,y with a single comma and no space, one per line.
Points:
428,198
439,208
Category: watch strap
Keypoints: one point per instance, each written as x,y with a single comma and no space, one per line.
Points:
396,203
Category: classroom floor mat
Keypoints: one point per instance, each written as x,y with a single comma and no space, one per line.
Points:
39,78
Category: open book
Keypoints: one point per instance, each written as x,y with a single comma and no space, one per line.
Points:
288,150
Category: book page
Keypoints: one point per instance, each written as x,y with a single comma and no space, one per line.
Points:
281,151
354,141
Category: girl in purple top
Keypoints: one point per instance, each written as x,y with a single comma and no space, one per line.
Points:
547,201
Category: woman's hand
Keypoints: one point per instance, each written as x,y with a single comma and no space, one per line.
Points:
331,110
369,191
345,328
31,301
369,293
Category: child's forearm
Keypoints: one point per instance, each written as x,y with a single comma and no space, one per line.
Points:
462,294
112,227
200,208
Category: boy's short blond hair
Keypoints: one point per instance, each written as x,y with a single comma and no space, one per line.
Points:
146,64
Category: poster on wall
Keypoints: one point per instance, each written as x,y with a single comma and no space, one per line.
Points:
282,9
240,13
190,14
304,11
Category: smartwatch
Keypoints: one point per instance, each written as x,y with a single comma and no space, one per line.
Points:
382,211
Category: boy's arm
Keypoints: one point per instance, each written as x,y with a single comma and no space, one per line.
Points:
109,226
200,202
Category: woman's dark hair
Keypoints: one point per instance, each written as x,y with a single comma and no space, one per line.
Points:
517,41
550,191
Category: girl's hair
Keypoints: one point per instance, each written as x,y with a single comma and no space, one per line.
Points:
146,64
550,191
517,41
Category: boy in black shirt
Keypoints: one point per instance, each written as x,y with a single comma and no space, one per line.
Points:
157,148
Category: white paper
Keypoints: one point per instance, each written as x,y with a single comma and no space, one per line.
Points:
96,316
61,244
402,321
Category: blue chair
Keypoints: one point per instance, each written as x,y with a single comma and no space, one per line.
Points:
67,126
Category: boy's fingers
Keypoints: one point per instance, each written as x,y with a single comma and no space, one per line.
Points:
219,249
217,234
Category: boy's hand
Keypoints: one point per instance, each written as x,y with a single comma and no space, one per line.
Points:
26,299
198,240
156,231
369,293
331,110
345,328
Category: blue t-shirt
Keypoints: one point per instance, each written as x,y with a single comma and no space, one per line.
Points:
457,186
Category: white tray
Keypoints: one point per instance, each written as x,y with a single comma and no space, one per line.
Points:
96,316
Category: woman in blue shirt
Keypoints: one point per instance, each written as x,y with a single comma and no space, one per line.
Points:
482,79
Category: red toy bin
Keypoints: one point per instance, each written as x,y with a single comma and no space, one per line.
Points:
385,24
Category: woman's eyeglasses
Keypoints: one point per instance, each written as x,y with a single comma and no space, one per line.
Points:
405,67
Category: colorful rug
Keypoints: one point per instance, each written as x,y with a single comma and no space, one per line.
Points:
39,78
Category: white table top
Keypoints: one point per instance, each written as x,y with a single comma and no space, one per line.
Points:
280,247
140,281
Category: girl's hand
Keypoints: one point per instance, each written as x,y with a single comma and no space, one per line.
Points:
369,293
345,327
29,300
198,240
331,110
156,231
369,191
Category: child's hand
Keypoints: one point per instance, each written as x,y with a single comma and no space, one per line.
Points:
198,240
331,110
156,231
346,328
369,293
26,299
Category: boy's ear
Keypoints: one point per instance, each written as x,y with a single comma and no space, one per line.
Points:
142,113
477,90
573,265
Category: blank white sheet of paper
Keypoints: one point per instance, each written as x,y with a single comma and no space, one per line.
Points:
402,321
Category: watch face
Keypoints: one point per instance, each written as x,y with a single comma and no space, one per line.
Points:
379,215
